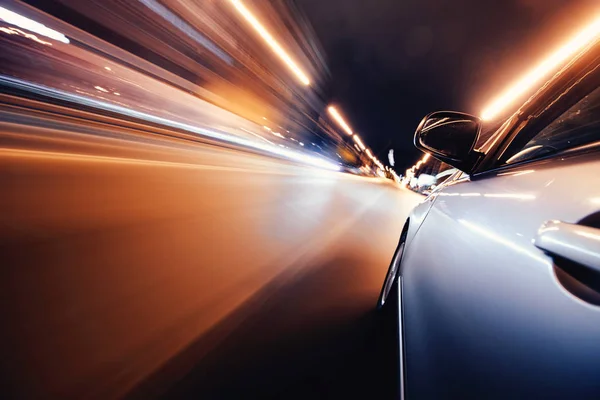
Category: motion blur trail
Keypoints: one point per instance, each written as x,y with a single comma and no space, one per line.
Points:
119,253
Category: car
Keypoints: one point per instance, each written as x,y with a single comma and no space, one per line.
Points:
495,282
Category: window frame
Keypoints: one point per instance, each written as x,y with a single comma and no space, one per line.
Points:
587,85
580,78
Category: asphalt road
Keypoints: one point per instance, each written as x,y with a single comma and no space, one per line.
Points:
132,259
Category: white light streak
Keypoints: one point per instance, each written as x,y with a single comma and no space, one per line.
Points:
275,46
103,105
535,76
359,142
338,118
187,29
31,25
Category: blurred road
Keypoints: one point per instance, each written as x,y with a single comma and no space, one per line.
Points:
131,257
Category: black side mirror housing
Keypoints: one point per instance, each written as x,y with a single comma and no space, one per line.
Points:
450,137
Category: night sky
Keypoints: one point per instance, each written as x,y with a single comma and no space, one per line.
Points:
393,61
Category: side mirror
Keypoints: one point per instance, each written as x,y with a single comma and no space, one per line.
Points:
450,137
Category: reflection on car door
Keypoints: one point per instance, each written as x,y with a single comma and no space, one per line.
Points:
484,313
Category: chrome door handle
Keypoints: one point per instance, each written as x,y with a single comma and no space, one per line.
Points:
577,243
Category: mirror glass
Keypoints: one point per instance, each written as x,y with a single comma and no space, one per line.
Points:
451,135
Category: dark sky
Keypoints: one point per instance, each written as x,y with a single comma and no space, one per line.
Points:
393,61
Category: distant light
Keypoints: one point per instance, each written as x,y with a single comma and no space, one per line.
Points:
391,157
301,144
265,118
540,72
426,157
31,25
107,68
338,118
258,27
267,128
117,94
100,88
368,151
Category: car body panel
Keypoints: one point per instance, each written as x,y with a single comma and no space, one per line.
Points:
418,214
484,314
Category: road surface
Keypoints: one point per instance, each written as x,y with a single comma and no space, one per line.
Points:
133,259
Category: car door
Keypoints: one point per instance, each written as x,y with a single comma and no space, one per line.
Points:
486,313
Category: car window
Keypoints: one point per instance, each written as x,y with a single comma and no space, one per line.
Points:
577,126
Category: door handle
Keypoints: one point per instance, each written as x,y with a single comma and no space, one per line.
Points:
577,243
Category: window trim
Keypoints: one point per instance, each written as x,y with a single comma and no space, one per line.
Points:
592,147
583,87
536,114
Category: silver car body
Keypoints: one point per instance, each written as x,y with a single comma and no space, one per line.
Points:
484,312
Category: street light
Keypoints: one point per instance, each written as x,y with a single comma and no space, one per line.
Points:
359,142
338,118
568,50
262,31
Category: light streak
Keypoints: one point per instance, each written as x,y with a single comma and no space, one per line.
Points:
209,133
186,29
338,118
275,46
359,142
15,31
533,77
31,25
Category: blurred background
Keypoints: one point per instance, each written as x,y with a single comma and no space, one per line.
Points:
202,68
185,214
